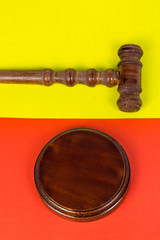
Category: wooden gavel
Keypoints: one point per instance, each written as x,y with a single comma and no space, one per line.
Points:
128,77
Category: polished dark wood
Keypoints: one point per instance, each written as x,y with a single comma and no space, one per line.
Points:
69,77
130,78
127,77
82,174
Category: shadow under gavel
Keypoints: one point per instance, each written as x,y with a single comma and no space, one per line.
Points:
128,77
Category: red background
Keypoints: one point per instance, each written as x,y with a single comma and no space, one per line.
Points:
24,216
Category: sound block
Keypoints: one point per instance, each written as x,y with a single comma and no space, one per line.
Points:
82,174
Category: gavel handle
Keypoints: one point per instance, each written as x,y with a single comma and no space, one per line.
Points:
69,77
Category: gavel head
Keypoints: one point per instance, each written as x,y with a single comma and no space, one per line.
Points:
129,78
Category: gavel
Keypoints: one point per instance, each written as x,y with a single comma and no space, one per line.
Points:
127,77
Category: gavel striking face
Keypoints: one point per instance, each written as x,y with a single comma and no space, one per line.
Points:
128,77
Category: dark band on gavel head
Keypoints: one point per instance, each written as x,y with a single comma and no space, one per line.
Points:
128,77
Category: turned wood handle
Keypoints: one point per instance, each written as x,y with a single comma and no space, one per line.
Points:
69,77
128,77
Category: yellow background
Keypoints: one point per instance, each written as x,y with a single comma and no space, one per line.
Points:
61,34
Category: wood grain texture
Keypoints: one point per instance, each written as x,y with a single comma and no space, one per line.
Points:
128,77
82,174
69,77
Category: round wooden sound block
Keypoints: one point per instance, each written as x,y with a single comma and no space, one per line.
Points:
82,174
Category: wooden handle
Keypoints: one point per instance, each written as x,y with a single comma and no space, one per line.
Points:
69,77
128,77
